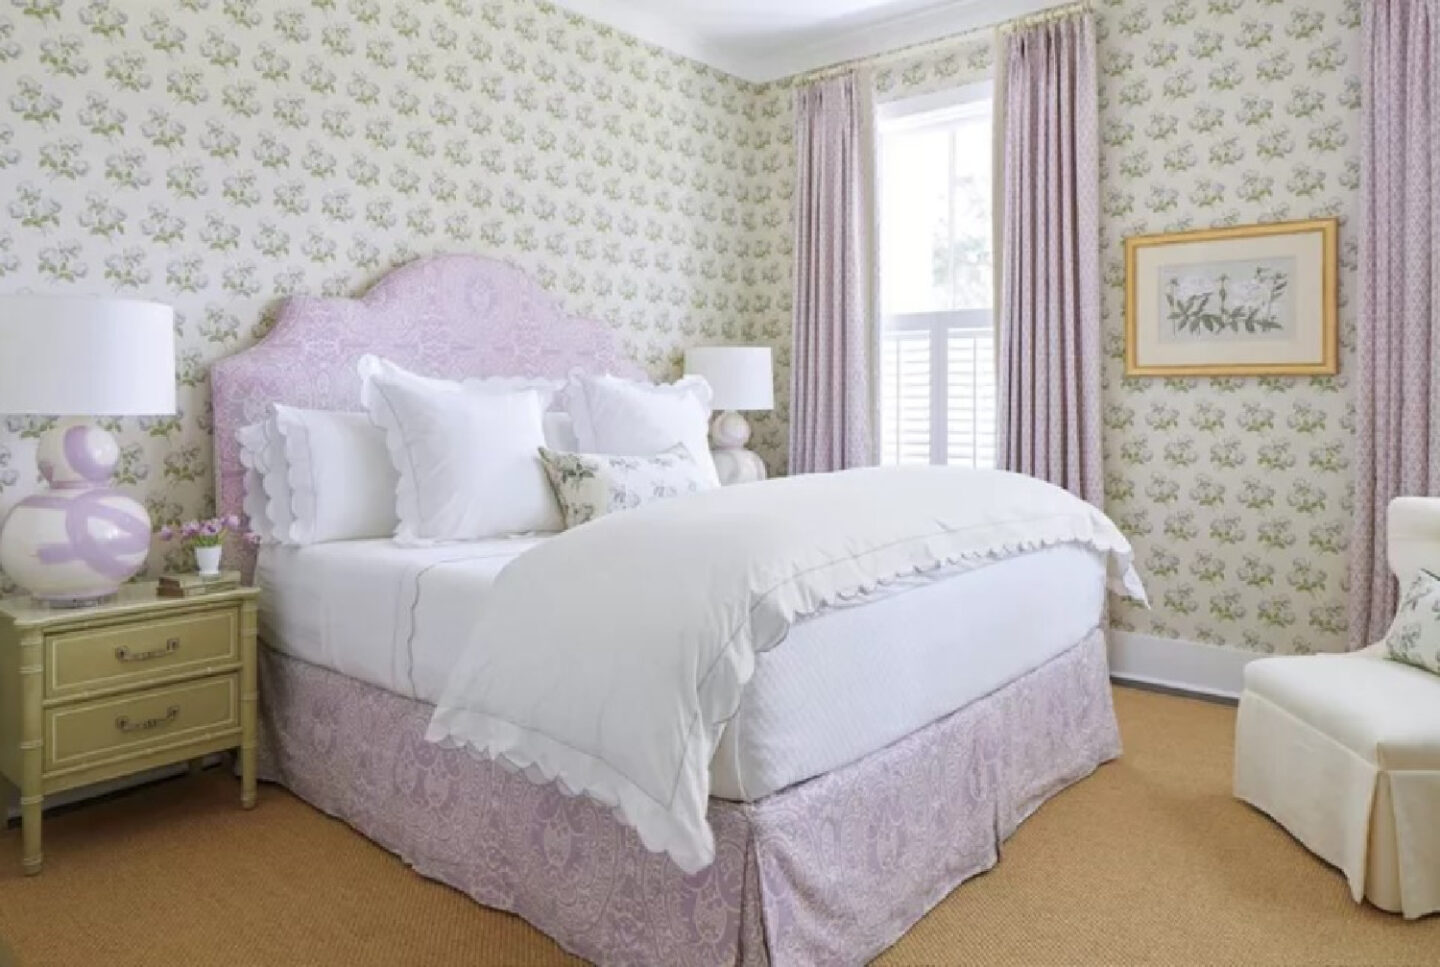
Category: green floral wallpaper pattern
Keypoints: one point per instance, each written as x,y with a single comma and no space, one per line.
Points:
1235,492
220,154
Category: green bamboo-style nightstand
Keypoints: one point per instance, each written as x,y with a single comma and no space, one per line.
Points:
98,693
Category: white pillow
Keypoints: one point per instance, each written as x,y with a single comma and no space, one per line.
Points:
625,418
342,484
467,457
370,366
267,480
252,441
560,432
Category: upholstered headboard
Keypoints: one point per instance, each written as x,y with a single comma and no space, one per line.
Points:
447,315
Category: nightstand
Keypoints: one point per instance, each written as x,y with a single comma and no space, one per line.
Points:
91,694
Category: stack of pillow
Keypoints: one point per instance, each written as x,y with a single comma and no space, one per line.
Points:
434,460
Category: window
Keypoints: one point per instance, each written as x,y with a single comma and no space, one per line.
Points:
937,359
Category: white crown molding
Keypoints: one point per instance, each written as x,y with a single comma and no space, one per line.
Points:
674,36
869,39
856,39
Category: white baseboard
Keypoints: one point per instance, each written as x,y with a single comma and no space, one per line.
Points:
1186,666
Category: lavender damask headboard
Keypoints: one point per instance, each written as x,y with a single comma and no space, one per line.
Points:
447,315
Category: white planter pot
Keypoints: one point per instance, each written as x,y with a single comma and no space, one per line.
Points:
207,560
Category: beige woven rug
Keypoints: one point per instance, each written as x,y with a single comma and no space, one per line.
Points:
1147,862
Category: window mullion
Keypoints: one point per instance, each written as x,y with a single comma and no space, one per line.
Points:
950,217
939,394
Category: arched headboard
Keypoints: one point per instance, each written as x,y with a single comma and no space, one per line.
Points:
447,315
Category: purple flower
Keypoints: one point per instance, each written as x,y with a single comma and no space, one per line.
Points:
211,528
190,529
232,522
167,533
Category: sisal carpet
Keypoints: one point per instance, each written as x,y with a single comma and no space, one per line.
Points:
1147,862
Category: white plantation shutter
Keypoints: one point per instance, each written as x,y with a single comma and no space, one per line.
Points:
937,389
905,397
970,394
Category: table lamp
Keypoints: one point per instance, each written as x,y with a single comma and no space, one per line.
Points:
741,378
78,539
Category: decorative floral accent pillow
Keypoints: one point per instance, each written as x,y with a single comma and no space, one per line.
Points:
590,485
1414,637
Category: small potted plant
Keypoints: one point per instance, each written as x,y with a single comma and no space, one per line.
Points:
206,538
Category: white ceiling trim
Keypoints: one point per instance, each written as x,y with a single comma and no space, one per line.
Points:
663,32
893,33
824,47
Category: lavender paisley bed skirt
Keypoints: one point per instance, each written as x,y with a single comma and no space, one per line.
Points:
830,871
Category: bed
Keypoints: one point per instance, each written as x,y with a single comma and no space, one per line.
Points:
850,795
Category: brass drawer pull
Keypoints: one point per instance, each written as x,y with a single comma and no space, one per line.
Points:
172,645
124,724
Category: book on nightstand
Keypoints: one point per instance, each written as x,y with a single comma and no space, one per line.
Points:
192,585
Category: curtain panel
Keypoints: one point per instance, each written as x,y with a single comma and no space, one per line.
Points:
1397,433
832,402
1048,319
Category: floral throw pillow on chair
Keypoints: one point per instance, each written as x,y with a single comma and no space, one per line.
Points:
590,485
1414,636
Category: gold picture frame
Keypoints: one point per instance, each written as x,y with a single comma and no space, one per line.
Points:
1284,323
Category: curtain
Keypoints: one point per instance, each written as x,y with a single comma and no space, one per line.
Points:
832,408
1048,318
1397,439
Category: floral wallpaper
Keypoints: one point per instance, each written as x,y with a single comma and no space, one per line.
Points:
218,155
1235,492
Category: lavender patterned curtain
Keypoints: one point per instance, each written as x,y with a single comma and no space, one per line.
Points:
1049,313
831,409
1397,434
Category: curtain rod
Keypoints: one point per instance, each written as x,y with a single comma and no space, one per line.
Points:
910,50
1045,16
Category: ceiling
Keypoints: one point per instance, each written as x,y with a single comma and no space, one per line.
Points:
763,40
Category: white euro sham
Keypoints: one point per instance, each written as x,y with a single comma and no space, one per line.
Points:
622,417
466,457
370,366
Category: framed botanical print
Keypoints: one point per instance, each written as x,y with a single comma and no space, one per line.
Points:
1258,300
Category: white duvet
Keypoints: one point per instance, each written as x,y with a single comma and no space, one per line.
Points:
609,658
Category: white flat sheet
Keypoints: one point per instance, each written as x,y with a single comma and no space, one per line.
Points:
845,683
396,617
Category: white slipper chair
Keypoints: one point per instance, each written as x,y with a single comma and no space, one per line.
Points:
1344,750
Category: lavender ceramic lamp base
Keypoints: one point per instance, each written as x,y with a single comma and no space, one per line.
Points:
78,540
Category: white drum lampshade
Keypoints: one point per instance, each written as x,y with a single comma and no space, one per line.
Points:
740,378
78,539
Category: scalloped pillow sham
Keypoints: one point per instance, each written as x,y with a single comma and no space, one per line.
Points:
591,485
1414,636
465,455
370,366
266,483
341,483
622,417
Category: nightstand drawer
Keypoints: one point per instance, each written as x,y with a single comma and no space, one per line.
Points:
87,732
110,658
